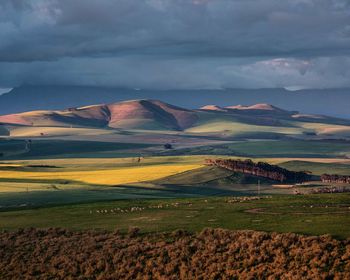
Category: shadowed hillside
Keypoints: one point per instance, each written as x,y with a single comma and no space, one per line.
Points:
3,130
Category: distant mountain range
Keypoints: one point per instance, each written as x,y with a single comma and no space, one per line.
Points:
158,115
334,102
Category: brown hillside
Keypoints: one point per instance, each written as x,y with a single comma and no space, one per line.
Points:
213,108
211,254
260,106
137,113
146,114
265,109
157,115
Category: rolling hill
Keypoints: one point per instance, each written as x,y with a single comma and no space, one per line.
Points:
24,98
134,114
263,121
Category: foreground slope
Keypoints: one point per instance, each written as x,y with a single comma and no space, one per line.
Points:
210,254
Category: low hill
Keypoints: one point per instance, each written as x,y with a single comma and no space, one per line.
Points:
212,176
261,108
201,175
213,108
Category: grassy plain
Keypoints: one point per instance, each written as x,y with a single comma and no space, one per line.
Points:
291,148
309,214
238,128
17,148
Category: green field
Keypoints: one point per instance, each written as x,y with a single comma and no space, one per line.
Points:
273,148
50,181
15,149
311,214
63,183
317,168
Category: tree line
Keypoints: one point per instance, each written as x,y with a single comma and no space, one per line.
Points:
334,178
261,169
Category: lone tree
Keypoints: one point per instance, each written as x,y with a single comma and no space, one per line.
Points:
168,146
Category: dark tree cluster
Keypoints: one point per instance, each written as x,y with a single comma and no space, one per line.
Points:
334,178
168,146
261,169
330,190
210,254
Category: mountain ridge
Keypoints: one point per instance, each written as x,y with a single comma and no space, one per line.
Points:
126,114
332,102
158,115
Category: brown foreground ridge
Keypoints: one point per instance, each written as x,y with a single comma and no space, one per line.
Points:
210,254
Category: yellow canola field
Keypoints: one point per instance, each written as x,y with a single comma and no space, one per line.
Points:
106,177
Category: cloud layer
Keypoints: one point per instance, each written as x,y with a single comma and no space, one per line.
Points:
176,43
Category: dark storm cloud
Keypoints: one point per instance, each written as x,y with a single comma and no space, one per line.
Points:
175,43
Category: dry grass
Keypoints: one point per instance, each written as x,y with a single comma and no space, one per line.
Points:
238,128
211,254
29,131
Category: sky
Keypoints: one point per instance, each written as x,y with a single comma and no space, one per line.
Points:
176,44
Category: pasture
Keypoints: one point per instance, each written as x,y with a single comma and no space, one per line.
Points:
291,148
19,149
309,214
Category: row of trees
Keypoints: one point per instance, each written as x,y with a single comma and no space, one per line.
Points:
330,190
334,178
210,254
261,169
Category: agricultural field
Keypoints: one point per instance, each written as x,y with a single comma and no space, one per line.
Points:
112,177
19,148
64,183
291,148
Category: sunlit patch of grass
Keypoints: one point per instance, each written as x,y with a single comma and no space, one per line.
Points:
116,176
239,128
